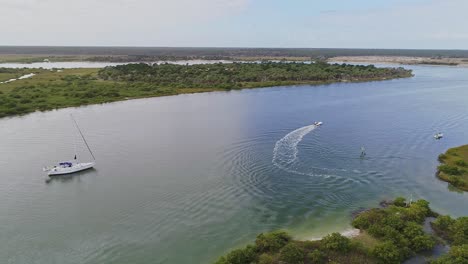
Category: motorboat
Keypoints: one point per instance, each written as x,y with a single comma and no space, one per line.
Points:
438,136
318,123
68,167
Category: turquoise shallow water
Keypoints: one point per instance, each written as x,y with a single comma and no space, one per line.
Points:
184,179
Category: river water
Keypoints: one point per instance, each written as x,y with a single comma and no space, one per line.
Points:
184,179
89,64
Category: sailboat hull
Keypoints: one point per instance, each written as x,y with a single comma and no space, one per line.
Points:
57,171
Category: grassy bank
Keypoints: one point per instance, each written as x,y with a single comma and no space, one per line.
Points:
454,167
52,89
388,235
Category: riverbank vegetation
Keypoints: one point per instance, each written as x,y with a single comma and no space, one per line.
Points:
387,235
51,89
246,75
454,167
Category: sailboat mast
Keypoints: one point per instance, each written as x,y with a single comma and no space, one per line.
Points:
79,130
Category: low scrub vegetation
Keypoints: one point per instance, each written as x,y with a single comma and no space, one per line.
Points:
454,167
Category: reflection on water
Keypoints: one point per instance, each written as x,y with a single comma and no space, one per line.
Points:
70,177
183,179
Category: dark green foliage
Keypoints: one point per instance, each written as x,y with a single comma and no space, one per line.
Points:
234,75
456,255
292,254
459,231
422,242
266,259
450,170
366,219
317,257
387,253
239,256
273,241
399,227
443,222
336,242
442,158
400,201
455,230
461,163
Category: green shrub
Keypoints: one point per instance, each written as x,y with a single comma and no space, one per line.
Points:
450,170
456,255
394,221
461,163
400,201
387,253
442,158
456,181
336,242
292,254
412,230
272,242
459,231
317,257
266,259
422,242
443,223
239,256
368,218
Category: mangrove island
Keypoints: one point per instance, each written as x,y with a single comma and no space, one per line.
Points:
59,88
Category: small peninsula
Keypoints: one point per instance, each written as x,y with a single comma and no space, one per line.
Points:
59,88
454,167
390,235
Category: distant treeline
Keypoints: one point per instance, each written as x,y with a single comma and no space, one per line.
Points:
240,75
207,53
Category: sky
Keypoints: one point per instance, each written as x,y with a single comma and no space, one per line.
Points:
412,24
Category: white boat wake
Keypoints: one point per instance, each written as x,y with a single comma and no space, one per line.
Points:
286,151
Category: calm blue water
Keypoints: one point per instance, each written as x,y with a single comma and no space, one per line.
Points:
185,179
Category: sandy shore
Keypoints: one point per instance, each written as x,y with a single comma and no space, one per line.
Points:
403,60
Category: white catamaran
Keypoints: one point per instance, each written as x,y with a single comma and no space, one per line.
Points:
67,167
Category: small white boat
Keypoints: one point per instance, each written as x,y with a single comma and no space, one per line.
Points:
318,123
438,136
68,167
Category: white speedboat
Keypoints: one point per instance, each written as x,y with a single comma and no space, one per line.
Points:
69,167
438,136
318,123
